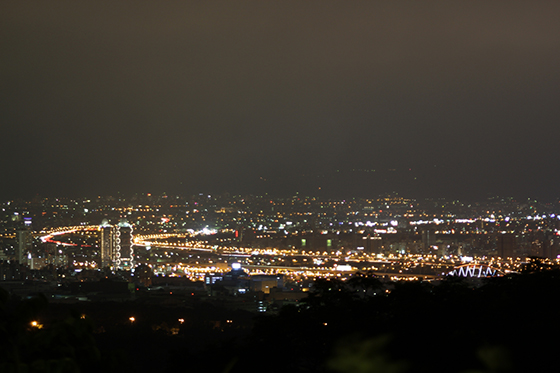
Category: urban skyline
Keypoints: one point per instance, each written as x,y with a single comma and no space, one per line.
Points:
242,186
193,271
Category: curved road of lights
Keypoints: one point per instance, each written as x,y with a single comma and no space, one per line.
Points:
162,241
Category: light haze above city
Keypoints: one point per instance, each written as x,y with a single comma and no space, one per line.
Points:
429,99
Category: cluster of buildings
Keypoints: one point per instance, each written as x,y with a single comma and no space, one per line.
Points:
387,225
116,245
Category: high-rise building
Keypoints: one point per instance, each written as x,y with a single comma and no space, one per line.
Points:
123,253
107,234
116,245
24,242
428,238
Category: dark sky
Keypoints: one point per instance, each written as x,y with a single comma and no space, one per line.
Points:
446,98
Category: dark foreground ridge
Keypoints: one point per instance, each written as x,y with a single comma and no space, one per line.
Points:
507,324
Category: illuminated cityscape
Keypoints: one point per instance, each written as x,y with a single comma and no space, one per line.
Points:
259,255
279,186
291,234
298,238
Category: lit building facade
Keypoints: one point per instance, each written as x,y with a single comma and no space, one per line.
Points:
24,244
106,230
116,245
124,253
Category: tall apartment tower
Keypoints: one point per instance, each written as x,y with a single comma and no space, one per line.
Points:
107,236
428,238
123,254
116,245
24,244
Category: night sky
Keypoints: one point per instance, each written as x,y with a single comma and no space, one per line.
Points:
459,99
